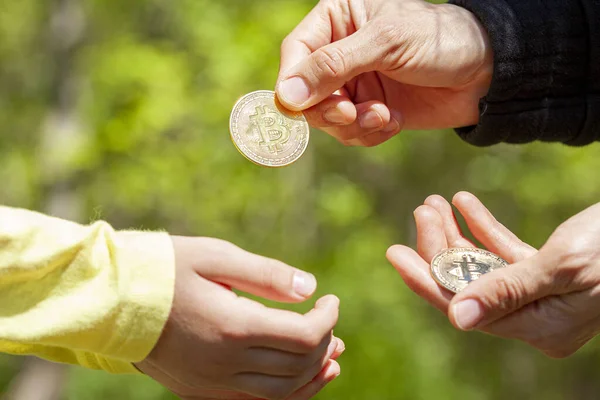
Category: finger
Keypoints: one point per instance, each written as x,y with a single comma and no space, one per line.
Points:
335,110
415,273
318,367
328,374
327,69
372,117
491,233
431,238
280,363
339,350
454,236
188,392
313,32
260,276
372,139
501,293
288,331
275,387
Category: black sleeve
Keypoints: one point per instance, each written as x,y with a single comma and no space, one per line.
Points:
546,83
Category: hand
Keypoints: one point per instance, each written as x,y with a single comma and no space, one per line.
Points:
217,345
362,70
548,299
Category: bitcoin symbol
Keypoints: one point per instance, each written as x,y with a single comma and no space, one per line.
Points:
469,269
265,132
274,132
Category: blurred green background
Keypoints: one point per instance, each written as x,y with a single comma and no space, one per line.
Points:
118,110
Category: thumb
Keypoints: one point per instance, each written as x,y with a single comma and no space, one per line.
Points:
257,275
500,293
328,69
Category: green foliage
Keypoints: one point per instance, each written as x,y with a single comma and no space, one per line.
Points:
157,83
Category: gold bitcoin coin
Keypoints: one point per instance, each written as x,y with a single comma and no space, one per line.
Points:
265,132
455,268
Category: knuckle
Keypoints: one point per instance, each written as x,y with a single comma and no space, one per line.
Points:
315,116
509,294
219,246
285,43
269,274
394,42
403,44
569,263
388,33
330,61
215,252
310,339
234,331
577,255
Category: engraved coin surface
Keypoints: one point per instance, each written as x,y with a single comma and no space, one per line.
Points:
265,132
455,268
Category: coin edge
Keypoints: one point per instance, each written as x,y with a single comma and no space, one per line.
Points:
231,131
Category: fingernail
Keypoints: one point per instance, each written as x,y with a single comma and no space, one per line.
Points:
370,120
294,90
341,345
332,346
304,283
468,313
335,376
392,127
334,116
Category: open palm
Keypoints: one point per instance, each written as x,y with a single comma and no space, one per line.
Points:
546,298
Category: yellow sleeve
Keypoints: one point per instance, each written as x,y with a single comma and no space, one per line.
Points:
84,295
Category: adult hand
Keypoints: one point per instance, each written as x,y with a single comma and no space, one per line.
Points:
547,298
362,70
217,345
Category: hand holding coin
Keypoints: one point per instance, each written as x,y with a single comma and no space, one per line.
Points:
442,271
546,298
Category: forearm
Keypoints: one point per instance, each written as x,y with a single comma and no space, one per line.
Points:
81,294
546,83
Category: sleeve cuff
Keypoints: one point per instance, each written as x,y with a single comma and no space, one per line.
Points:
541,64
110,365
147,294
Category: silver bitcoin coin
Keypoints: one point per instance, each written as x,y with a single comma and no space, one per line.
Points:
455,268
265,132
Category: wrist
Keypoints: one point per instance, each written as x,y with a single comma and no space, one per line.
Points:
473,49
471,58
484,73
